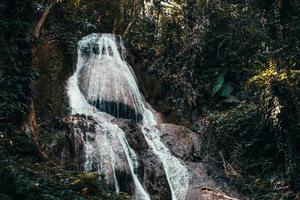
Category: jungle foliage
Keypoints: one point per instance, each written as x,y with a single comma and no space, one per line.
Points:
232,66
16,73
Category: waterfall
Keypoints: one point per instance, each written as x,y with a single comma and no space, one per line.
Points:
104,87
177,174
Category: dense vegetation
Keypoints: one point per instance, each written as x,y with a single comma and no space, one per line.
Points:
230,66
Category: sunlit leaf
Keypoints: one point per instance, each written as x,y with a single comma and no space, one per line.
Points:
218,84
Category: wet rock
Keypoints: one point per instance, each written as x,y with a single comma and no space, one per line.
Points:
183,143
150,171
117,109
61,143
66,141
106,81
159,118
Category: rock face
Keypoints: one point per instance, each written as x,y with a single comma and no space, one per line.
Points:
58,142
184,143
104,80
64,141
151,170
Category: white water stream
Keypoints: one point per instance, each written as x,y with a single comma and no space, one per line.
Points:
103,81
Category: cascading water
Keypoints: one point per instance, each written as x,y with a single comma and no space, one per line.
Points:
177,174
104,87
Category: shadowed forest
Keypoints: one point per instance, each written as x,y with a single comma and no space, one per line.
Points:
226,72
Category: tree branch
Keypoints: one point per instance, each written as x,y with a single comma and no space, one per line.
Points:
127,29
38,26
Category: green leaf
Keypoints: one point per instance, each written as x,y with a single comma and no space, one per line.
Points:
218,84
226,90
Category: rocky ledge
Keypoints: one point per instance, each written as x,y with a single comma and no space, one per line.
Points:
63,140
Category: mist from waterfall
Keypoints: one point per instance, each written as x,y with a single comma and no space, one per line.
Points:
104,87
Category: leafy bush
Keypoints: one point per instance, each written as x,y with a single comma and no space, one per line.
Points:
16,72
